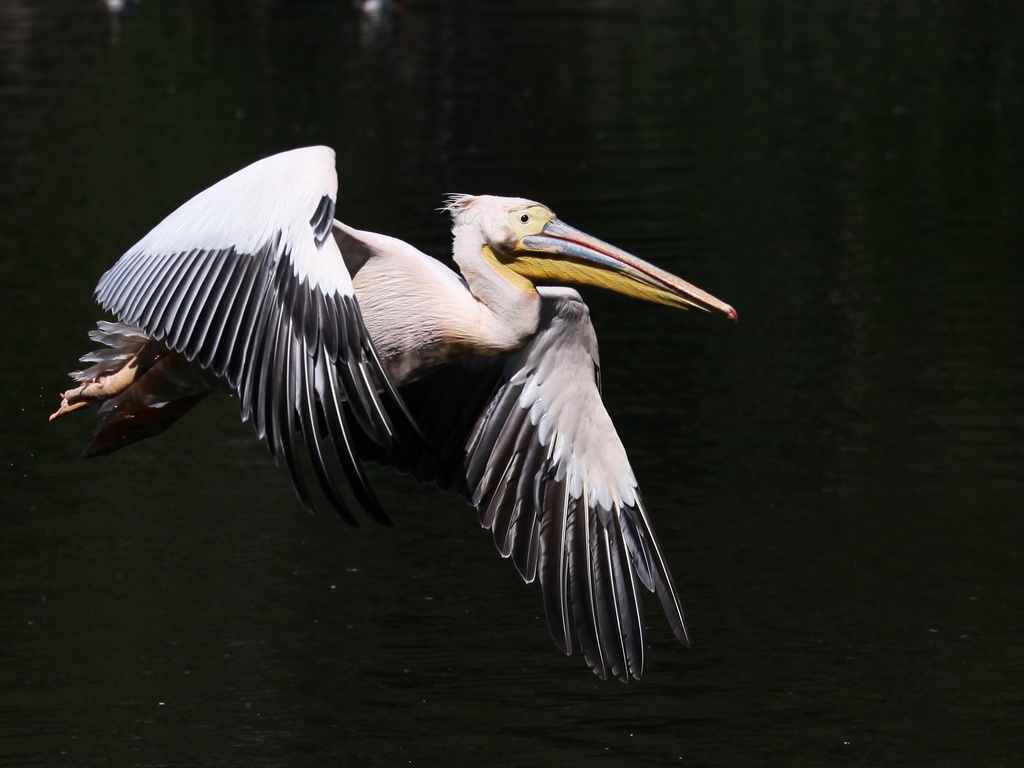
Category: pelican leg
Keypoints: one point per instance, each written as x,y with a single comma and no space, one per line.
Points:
103,387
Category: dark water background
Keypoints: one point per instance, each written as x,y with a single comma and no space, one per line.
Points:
836,480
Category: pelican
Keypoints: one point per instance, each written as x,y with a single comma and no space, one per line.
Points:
348,347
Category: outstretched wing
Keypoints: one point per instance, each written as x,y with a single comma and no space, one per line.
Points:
527,440
246,281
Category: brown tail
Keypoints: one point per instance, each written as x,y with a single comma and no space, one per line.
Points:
124,427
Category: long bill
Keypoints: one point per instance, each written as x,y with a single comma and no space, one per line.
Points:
564,253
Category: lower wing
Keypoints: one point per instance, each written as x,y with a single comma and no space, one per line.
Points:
526,439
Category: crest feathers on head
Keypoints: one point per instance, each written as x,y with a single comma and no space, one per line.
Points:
456,204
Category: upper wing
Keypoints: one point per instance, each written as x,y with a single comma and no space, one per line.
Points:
245,280
527,440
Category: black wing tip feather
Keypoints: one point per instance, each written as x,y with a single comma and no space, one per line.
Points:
278,389
603,580
323,219
648,550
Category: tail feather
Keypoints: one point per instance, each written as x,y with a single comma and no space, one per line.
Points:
121,427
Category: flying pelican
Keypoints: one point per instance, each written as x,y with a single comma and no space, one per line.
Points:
483,382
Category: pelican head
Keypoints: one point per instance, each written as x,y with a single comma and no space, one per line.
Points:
529,244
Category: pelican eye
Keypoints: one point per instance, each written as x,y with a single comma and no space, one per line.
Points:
530,221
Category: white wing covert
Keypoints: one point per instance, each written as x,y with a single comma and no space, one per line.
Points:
245,280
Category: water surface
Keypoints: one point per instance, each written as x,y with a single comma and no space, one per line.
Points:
836,479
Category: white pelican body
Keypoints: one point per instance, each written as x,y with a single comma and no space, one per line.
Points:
332,336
